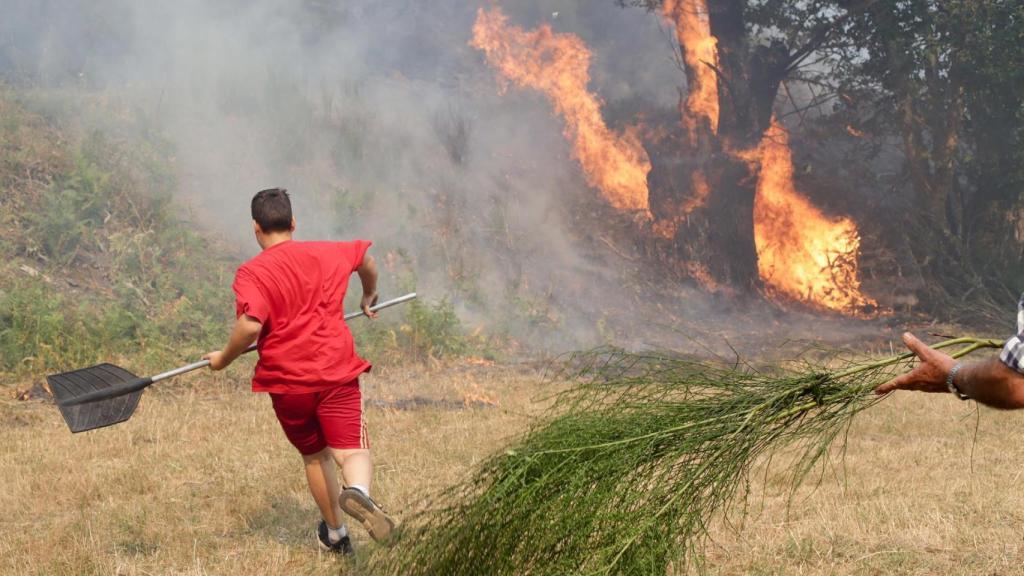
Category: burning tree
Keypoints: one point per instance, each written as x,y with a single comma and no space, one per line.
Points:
736,207
718,187
720,184
946,81
942,80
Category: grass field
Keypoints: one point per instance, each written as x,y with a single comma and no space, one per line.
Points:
201,481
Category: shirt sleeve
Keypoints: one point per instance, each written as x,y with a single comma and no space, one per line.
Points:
1013,352
249,299
354,252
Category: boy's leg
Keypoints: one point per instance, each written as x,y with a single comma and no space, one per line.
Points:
356,467
355,500
323,484
341,418
298,418
340,415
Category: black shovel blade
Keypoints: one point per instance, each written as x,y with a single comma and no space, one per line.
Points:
101,413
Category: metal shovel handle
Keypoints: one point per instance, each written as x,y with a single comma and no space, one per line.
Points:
141,383
349,316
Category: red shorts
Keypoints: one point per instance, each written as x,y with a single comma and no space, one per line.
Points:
332,417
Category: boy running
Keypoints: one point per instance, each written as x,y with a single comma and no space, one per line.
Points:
290,297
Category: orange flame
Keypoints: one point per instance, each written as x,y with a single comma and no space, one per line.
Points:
559,66
801,253
700,114
700,50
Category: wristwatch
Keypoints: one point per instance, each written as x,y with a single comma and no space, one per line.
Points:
951,383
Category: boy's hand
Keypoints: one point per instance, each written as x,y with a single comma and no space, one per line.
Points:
369,300
217,361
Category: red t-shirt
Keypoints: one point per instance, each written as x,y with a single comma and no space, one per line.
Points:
296,290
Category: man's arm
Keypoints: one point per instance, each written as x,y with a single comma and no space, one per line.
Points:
245,332
990,382
368,277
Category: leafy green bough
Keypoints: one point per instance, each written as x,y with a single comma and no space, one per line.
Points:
635,461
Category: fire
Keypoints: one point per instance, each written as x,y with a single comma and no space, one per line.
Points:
559,66
700,49
700,113
801,253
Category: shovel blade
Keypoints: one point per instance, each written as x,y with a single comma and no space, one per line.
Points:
99,414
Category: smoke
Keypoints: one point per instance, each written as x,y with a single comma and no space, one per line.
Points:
384,124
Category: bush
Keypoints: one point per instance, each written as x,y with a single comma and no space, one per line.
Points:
423,332
68,214
119,271
41,330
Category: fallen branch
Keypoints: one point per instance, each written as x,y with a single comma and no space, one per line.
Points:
643,453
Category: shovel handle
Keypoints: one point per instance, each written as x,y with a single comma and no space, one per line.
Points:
141,383
351,315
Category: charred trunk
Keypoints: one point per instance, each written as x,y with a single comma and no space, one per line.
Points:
719,231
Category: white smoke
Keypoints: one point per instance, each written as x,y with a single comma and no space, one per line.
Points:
384,124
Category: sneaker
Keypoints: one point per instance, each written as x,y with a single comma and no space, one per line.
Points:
343,546
367,512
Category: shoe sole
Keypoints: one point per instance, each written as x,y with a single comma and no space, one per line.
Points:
357,505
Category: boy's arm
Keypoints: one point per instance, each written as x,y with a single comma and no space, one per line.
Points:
245,332
368,277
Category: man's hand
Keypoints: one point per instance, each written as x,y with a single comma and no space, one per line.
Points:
929,376
217,360
369,301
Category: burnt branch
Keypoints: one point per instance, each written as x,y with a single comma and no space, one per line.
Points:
822,34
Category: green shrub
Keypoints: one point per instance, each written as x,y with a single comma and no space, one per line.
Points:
69,212
422,331
42,330
107,221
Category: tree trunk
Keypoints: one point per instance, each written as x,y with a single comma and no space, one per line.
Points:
720,233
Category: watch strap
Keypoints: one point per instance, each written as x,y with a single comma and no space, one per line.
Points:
951,382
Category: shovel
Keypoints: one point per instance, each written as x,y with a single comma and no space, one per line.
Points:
104,395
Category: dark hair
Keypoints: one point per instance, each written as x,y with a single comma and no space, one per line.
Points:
272,210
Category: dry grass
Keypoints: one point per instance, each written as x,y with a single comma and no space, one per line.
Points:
201,481
924,487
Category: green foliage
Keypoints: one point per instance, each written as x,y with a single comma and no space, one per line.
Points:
536,311
435,330
31,322
639,457
68,212
114,270
422,332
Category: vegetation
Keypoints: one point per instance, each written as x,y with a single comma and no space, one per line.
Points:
642,454
911,485
422,331
103,265
645,455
